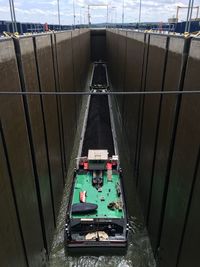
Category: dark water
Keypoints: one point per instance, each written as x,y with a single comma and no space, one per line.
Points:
139,253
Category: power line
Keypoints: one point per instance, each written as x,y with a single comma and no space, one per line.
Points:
191,92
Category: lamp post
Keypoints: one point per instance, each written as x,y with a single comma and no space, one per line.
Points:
190,18
140,11
58,2
13,16
107,16
188,14
74,14
122,13
82,15
114,18
97,5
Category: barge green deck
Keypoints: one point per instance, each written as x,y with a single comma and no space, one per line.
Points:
83,182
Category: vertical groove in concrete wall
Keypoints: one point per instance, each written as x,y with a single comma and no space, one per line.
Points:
74,85
44,58
32,151
31,128
194,188
58,100
114,59
45,134
85,51
121,66
18,151
185,153
157,130
189,252
123,80
33,109
169,157
135,57
154,78
144,59
141,106
168,107
81,63
76,66
67,57
66,83
10,228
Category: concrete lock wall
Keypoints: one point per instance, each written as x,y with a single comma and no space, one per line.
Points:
163,136
37,132
36,138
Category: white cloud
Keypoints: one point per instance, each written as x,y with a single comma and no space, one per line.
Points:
4,9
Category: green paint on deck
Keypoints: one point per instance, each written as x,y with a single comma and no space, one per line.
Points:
83,182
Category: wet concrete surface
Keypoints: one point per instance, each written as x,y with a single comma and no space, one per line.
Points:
139,252
19,164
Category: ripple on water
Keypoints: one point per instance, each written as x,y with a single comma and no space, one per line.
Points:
139,253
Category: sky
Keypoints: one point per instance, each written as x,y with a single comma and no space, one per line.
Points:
42,11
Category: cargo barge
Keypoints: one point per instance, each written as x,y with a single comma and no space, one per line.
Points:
96,214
